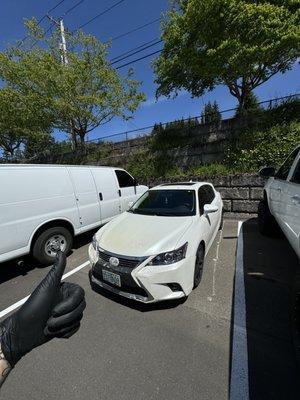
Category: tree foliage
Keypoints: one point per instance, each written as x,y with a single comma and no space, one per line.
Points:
77,97
238,43
211,114
21,120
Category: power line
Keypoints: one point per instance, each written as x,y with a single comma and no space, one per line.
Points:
99,15
135,48
139,59
41,20
134,30
73,8
135,52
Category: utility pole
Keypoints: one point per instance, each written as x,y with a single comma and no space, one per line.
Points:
64,56
63,44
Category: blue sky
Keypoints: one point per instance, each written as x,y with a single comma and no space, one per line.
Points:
126,16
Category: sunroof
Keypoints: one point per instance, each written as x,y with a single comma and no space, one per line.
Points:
180,184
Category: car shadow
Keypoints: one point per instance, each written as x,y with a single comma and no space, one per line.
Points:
270,271
142,307
22,266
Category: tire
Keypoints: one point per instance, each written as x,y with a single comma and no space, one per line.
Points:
199,265
221,222
267,224
43,250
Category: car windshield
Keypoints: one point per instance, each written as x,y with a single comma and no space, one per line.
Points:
166,203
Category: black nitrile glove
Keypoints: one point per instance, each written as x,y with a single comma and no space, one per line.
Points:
54,309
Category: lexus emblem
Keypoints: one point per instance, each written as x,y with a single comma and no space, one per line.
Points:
114,261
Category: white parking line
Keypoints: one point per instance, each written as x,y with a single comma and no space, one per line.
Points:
21,302
239,384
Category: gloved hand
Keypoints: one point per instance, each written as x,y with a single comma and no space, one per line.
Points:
54,309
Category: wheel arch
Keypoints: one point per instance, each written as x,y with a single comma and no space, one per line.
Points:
51,224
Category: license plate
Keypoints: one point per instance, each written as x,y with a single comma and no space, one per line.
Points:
112,278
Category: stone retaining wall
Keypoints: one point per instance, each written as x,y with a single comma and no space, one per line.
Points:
240,193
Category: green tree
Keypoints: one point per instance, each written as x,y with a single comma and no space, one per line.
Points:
77,97
237,43
21,120
211,114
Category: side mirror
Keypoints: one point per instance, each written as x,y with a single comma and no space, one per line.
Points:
209,208
266,172
130,204
135,182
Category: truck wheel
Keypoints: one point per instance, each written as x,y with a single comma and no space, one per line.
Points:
46,245
198,266
267,224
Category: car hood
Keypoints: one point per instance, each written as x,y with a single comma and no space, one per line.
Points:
142,235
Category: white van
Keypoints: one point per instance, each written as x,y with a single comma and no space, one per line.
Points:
45,206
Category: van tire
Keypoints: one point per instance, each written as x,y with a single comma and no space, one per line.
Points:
59,233
267,224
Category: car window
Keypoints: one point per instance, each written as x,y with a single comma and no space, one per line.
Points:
296,175
124,179
206,195
284,170
166,203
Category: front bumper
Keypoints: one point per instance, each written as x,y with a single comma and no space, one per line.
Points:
147,284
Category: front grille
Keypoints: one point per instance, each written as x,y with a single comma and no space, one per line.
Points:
128,284
124,262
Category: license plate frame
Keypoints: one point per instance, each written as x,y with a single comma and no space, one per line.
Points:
111,277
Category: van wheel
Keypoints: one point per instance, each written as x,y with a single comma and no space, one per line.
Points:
199,265
267,224
45,247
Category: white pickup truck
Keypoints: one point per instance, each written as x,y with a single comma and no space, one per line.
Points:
281,203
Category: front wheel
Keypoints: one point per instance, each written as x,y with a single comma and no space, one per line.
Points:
49,242
267,224
199,265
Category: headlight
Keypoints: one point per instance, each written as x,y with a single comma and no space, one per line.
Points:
170,257
95,243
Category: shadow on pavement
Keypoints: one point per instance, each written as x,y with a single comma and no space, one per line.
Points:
164,305
270,268
22,266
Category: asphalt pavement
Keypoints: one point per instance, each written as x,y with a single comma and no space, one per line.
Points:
173,350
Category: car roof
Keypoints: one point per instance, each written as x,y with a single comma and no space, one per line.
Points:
181,185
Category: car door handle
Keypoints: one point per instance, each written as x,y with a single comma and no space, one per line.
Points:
278,189
119,191
100,196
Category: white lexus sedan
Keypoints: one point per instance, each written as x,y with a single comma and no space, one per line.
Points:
155,251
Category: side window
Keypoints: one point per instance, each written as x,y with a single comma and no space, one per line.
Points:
206,195
284,170
296,176
124,179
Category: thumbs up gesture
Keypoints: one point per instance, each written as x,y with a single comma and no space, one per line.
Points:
54,309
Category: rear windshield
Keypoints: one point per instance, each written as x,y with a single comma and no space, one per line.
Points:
166,203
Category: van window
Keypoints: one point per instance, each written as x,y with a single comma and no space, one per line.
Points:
124,179
284,170
296,176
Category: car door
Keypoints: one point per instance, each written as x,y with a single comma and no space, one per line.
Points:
291,206
127,188
278,188
206,195
107,192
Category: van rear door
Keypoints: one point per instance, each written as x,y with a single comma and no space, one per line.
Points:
107,191
86,197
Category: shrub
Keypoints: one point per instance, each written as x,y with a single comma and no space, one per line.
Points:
271,146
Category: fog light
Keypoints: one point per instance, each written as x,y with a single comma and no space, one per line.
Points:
175,287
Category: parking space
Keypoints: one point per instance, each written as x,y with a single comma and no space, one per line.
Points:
176,350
